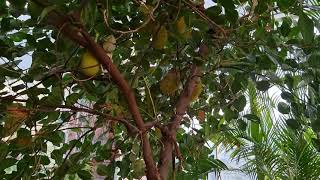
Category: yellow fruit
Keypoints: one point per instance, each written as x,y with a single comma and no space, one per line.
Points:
181,25
170,83
196,92
89,65
160,39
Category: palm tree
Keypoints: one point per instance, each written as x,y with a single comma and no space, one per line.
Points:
272,149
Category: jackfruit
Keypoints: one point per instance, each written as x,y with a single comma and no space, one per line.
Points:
160,38
170,83
181,25
145,9
109,43
89,65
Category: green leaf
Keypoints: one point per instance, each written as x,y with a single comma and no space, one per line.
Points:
240,103
314,59
289,81
287,96
19,4
213,11
8,71
306,26
83,174
263,85
293,123
124,167
252,117
285,26
242,125
72,99
316,143
229,114
57,155
46,11
43,160
8,162
4,149
283,108
104,170
56,137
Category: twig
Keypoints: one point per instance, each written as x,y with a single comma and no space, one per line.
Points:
150,17
72,147
205,17
178,154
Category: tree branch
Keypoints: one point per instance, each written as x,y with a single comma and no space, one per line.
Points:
181,107
101,55
132,130
80,36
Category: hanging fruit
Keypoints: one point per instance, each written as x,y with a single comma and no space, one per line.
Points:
160,38
170,83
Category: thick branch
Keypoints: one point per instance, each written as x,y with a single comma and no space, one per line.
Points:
123,85
181,108
65,26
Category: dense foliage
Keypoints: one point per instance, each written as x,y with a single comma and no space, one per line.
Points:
176,81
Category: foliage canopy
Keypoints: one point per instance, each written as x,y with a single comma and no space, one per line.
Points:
176,81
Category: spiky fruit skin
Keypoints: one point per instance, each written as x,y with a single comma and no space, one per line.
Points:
89,65
181,25
170,83
160,38
109,43
196,92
